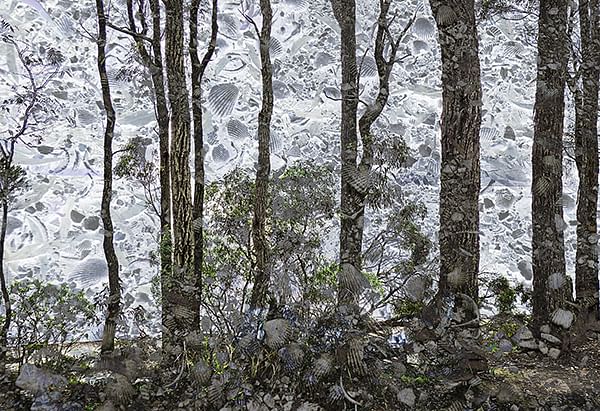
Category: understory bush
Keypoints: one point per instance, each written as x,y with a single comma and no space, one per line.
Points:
47,320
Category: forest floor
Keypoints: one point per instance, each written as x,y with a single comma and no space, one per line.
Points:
520,379
533,381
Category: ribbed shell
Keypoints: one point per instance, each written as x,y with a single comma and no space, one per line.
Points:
237,130
119,390
222,98
277,332
563,318
291,356
201,373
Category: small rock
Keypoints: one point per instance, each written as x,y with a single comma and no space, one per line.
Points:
545,329
38,381
528,344
550,338
269,401
514,407
107,406
554,353
543,348
584,361
522,333
505,345
407,396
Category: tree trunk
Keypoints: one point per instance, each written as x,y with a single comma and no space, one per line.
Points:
180,296
551,287
460,125
350,279
114,288
154,64
198,69
586,156
163,120
4,288
262,275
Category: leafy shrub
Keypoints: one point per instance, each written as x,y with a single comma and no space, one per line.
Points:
505,295
47,319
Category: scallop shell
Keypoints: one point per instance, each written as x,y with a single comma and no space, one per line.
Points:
220,154
229,26
423,29
89,272
237,130
277,332
223,98
368,67
563,318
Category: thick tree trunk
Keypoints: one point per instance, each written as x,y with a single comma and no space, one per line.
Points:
460,125
4,288
114,287
586,156
198,69
180,296
551,287
350,279
262,276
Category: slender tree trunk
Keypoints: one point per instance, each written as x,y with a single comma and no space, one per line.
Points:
153,61
198,69
460,125
180,296
4,288
551,287
262,276
350,279
359,180
114,298
163,120
586,156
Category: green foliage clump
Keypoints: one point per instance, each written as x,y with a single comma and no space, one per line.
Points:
415,380
506,295
408,308
301,211
47,319
13,179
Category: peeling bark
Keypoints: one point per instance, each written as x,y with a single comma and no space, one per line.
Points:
114,287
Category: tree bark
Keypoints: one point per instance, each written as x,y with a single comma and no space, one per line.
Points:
5,292
551,287
180,295
460,167
586,156
198,69
262,277
350,279
114,287
153,61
